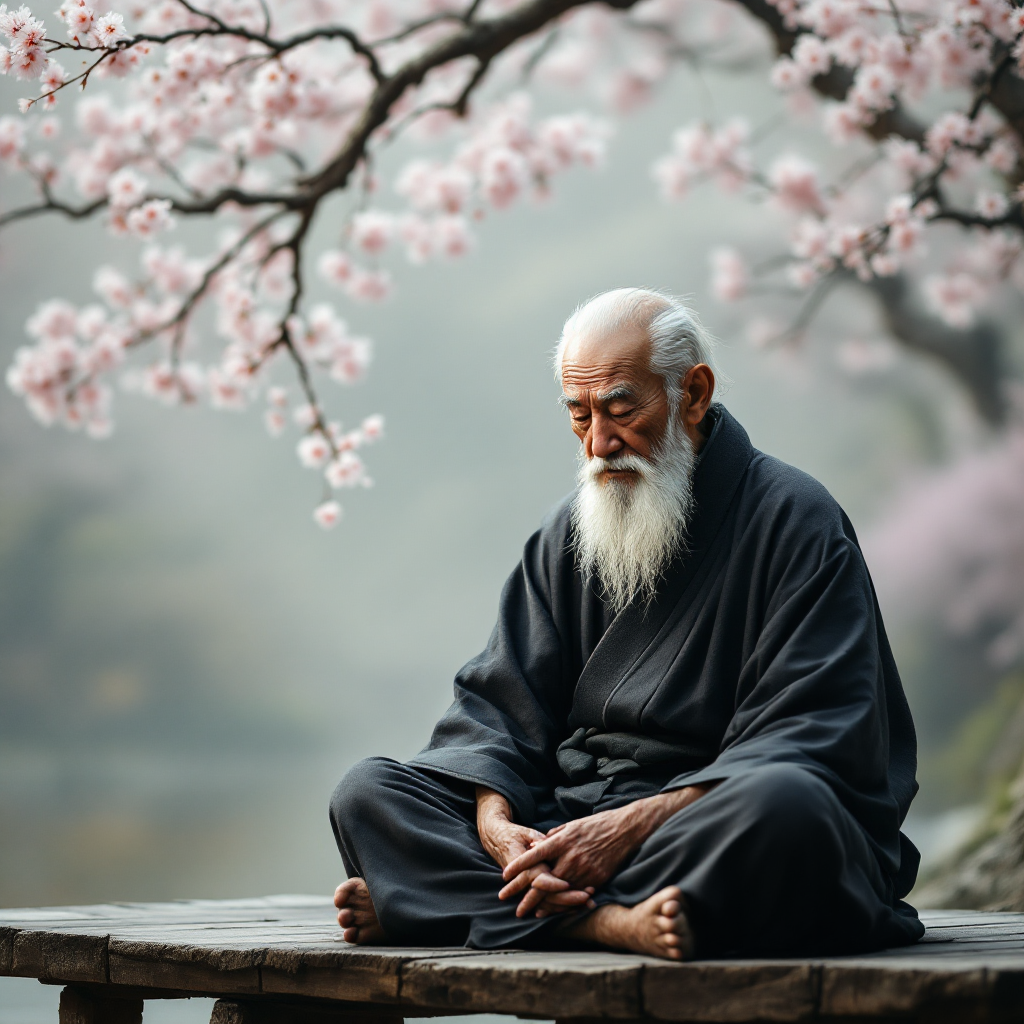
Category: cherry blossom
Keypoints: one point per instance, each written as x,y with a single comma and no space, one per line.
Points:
252,115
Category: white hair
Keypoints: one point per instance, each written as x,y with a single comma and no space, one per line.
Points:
678,339
626,534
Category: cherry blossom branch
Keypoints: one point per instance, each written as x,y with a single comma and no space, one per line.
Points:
52,206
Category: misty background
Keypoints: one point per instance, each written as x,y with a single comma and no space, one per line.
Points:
188,665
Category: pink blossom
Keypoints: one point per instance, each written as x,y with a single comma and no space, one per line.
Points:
991,205
126,188
12,138
873,88
373,428
884,264
729,276
1002,156
305,416
503,175
151,218
109,30
954,297
369,285
52,77
417,234
275,422
453,237
347,470
112,287
53,320
843,122
277,397
802,275
373,230
79,19
28,62
811,56
905,236
336,267
327,515
228,390
313,451
794,182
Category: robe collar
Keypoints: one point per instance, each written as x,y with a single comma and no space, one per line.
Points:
720,467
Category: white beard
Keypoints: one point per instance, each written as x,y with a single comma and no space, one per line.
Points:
627,532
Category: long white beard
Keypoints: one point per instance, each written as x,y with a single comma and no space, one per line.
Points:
627,532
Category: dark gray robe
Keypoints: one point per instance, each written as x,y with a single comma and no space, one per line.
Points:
761,664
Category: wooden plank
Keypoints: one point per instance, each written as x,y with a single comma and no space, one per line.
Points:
532,984
356,973
6,950
129,968
56,956
865,989
745,991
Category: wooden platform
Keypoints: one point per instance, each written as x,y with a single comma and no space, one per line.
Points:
281,959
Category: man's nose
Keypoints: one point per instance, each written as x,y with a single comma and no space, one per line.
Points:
604,439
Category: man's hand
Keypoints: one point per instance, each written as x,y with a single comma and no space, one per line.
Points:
586,852
505,841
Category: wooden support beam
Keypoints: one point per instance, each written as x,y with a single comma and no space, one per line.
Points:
289,1011
79,1006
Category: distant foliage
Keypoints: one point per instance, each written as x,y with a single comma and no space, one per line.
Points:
954,545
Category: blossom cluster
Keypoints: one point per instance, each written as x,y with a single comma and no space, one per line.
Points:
885,211
952,545
222,119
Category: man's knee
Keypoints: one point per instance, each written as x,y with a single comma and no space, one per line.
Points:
787,803
362,790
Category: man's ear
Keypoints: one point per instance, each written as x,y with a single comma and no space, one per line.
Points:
698,387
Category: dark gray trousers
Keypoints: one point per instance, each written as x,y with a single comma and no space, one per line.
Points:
770,863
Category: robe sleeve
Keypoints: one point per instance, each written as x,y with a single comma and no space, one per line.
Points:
811,691
511,700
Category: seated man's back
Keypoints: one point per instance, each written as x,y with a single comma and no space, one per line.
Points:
687,734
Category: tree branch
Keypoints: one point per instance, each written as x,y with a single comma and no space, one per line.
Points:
974,356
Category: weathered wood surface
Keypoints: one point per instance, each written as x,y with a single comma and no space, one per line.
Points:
969,968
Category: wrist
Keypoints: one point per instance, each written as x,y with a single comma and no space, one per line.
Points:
491,807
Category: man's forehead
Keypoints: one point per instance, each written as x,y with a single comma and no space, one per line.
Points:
597,366
624,345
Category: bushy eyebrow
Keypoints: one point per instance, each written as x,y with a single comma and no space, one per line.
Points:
620,391
617,393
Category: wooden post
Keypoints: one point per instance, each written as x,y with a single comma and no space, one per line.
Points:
287,1011
78,1006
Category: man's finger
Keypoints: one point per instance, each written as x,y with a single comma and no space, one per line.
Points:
532,900
557,828
549,883
572,898
518,884
549,849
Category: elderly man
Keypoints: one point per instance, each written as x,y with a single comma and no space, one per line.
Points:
687,735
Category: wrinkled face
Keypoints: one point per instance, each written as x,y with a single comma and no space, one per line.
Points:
616,403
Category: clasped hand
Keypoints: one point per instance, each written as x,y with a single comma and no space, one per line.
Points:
558,871
561,870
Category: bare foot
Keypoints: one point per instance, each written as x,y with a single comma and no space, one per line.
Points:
356,913
656,927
